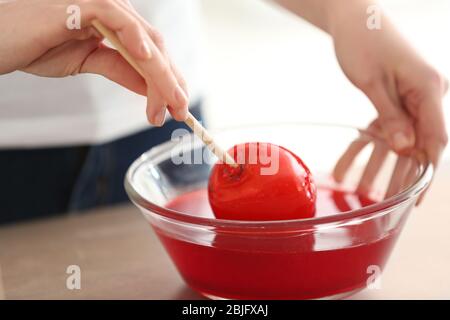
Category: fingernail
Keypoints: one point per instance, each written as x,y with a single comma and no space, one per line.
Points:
160,117
181,114
180,96
145,48
401,141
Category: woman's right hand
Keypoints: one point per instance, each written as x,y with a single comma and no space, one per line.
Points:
36,39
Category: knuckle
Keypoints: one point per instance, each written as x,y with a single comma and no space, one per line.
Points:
182,81
436,80
434,77
133,25
432,138
368,83
157,37
182,84
165,70
413,100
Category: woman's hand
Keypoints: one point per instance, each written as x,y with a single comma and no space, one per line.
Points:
405,90
35,39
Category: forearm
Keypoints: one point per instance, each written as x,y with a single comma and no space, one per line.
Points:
324,14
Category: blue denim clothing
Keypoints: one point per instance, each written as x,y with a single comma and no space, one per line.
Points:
48,181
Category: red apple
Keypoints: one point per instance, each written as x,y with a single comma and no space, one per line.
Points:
271,183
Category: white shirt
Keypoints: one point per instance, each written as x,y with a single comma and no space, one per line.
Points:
89,109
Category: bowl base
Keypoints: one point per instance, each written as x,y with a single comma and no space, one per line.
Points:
338,296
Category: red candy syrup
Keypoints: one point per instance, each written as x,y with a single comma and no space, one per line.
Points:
271,183
291,267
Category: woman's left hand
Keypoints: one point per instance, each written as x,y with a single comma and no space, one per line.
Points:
406,92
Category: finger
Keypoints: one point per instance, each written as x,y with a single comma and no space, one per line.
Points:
434,149
422,196
346,160
178,110
372,169
340,201
425,104
395,123
100,62
411,177
431,126
181,80
425,191
156,69
130,32
180,114
400,176
156,106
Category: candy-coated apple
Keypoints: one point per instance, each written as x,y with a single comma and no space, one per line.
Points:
271,183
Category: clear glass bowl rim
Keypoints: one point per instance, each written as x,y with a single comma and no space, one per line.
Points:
377,208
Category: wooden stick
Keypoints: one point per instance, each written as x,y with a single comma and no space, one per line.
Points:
198,129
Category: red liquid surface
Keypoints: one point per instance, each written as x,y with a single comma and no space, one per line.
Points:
303,266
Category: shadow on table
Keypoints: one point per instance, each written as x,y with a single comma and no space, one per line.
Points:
187,293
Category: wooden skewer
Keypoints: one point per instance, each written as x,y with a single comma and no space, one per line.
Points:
198,129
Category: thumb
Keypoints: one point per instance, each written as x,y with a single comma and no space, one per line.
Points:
396,125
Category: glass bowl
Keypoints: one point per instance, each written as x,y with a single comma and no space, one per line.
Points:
332,255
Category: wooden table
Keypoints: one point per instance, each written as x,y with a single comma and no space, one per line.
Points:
121,258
